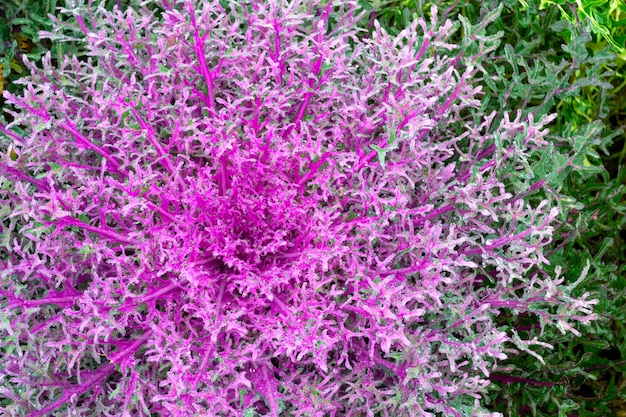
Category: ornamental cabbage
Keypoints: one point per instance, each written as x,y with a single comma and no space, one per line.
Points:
252,209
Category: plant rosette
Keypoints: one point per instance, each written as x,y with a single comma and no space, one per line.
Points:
243,209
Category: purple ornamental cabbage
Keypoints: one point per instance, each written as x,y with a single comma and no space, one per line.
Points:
245,209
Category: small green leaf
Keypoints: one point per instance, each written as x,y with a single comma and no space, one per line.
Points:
115,392
381,154
392,136
249,412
